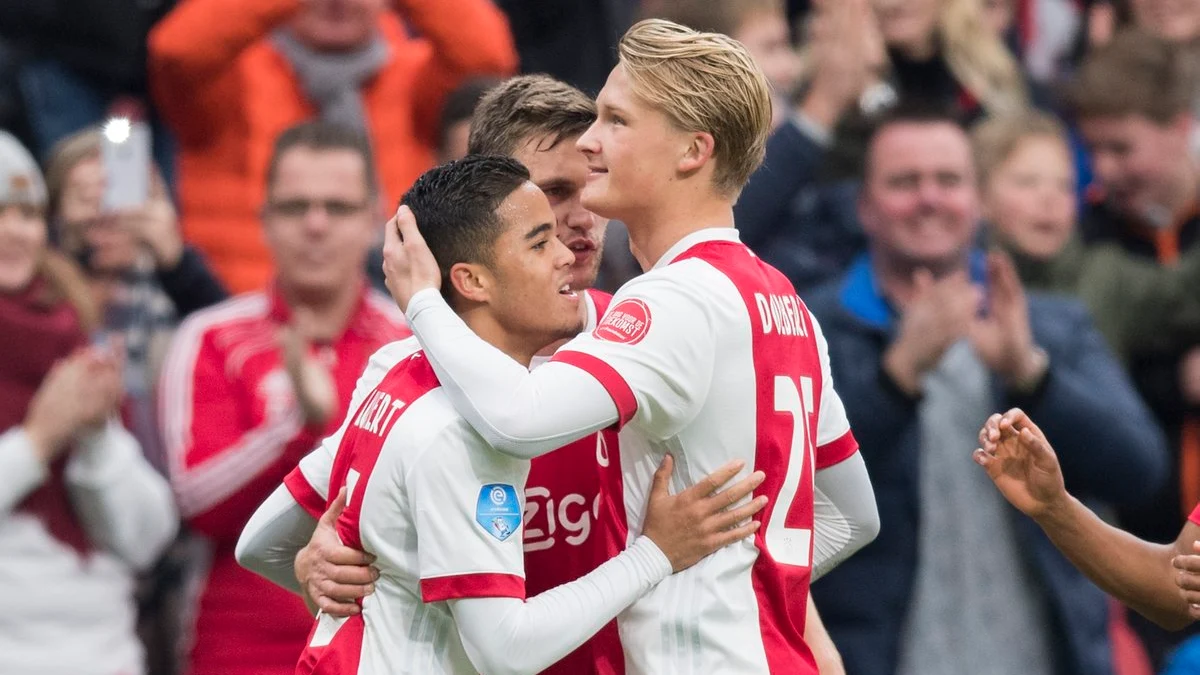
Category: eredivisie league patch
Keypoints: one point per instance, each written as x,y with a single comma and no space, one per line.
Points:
498,510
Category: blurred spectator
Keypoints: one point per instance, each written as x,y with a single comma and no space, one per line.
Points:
789,213
571,40
761,25
142,275
1133,101
932,337
81,511
252,385
455,127
79,57
144,279
1027,179
231,75
798,209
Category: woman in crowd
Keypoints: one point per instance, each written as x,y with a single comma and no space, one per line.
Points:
1027,180
81,511
143,277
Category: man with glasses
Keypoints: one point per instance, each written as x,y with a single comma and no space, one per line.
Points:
253,384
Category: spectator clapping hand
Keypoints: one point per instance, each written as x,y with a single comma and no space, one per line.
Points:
79,393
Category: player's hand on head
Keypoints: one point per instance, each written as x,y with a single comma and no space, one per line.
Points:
703,518
408,264
1187,578
331,574
1021,463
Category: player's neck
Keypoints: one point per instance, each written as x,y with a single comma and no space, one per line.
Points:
652,232
484,324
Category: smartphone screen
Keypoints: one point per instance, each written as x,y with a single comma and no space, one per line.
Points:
125,152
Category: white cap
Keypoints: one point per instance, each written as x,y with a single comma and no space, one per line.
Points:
21,180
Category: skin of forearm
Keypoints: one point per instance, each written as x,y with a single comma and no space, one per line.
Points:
1136,572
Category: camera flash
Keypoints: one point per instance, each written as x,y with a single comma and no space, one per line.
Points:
116,130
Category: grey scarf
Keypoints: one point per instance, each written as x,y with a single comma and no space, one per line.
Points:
334,81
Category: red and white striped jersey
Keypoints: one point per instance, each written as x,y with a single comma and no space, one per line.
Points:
571,523
232,431
711,356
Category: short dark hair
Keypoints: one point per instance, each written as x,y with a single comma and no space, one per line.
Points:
907,112
461,103
525,105
320,135
455,208
1136,74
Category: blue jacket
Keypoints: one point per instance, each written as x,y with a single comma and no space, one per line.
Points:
1108,444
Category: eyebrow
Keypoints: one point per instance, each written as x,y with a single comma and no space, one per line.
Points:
538,231
610,108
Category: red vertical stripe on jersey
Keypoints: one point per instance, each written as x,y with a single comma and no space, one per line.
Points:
782,590
359,450
407,381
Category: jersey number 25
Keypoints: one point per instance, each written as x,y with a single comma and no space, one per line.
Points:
793,545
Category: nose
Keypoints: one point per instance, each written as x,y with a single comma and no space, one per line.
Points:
588,143
316,219
579,220
562,255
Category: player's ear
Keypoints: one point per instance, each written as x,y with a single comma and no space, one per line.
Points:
697,152
471,281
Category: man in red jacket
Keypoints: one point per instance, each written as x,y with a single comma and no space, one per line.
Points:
253,384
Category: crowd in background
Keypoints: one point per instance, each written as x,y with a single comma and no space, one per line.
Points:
948,183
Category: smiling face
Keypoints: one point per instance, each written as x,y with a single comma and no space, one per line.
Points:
919,203
318,220
632,152
22,243
1029,198
561,172
527,282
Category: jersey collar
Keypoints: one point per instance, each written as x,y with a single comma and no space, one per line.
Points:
704,236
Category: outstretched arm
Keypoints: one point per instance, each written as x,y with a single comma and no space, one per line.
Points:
1140,574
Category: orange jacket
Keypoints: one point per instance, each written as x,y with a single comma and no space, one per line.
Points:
227,93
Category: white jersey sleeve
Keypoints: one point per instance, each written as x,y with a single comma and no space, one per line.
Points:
505,636
309,481
835,442
467,502
653,350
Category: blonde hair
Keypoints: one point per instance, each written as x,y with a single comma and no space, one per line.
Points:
995,139
703,82
978,57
